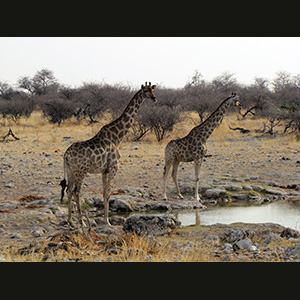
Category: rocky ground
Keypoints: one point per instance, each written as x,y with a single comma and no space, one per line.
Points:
246,170
33,223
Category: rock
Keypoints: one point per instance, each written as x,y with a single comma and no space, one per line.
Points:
232,235
117,220
245,244
106,231
150,224
247,188
116,205
275,192
9,185
211,239
253,199
2,258
38,232
233,187
215,193
290,233
15,235
187,189
237,180
228,248
257,188
240,197
292,252
158,206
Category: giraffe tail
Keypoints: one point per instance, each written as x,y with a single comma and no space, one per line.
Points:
63,185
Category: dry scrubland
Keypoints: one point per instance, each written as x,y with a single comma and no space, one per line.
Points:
33,166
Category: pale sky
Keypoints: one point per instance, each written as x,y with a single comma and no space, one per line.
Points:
169,61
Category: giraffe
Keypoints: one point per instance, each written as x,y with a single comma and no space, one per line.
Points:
193,146
100,154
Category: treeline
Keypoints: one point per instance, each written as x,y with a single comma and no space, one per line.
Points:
277,101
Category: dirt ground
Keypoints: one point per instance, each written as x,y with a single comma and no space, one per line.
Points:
33,165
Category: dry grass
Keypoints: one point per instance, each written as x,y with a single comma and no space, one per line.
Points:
141,165
141,162
123,248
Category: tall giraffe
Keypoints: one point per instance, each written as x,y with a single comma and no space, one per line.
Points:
100,154
193,146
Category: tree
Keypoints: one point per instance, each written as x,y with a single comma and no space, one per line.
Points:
17,107
58,110
255,96
225,83
42,83
6,91
281,81
162,120
91,101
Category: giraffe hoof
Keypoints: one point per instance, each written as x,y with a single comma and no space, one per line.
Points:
180,196
107,223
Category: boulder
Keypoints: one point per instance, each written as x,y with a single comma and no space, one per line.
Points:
232,235
150,224
290,233
215,193
116,205
245,244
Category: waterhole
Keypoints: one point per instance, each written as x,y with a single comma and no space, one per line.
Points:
285,213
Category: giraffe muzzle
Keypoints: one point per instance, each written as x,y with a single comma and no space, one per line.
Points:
153,99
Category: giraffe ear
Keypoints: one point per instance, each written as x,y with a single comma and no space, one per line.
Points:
142,87
153,87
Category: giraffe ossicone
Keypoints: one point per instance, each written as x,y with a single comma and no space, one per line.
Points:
100,154
193,146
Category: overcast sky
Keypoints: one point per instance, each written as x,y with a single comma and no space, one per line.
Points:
169,61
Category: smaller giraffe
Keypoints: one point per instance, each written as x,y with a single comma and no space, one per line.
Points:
193,146
100,154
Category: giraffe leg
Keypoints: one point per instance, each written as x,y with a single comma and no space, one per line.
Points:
107,178
197,165
174,176
77,190
166,171
106,196
69,220
70,194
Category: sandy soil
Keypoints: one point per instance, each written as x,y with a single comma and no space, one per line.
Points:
33,166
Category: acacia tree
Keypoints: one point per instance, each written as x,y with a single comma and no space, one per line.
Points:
17,107
42,83
162,120
255,96
198,96
58,110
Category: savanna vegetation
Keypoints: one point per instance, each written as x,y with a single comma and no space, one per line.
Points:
275,101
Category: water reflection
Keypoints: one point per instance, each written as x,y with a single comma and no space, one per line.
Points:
284,213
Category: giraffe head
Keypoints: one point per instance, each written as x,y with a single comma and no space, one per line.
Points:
147,91
234,98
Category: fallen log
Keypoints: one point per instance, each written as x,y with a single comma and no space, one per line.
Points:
242,130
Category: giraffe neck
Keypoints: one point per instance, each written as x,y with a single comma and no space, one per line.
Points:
206,128
115,131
